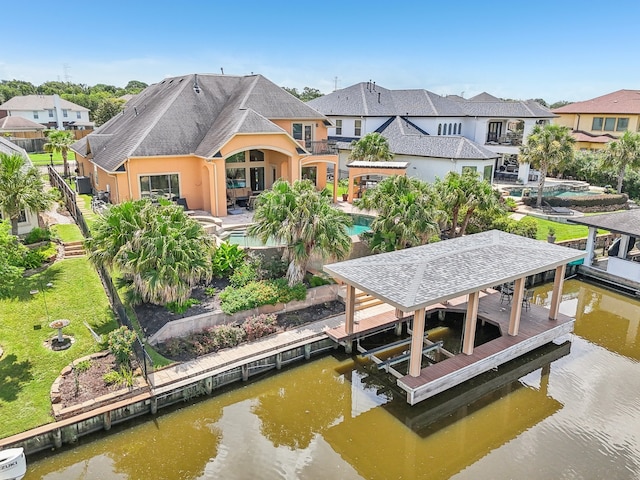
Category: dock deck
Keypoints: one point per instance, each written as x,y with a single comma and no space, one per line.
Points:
535,330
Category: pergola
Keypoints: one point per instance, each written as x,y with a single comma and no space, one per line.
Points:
413,279
360,168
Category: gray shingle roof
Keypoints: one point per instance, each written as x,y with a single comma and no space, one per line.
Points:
170,118
13,124
405,139
11,148
39,102
362,100
421,276
627,222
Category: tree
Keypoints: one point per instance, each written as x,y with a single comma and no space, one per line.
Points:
541,102
11,253
407,215
560,103
465,195
21,188
373,147
159,250
304,220
623,153
60,142
135,86
306,95
546,147
108,109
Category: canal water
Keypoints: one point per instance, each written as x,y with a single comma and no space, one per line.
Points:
565,411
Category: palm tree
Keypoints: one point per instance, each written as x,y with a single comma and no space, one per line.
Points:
546,147
304,220
21,189
623,153
60,142
373,147
406,214
159,250
465,194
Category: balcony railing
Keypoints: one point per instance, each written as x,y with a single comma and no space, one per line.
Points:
508,139
321,147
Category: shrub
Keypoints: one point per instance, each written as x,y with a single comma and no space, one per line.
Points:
181,307
316,281
33,259
120,343
526,227
228,335
255,294
210,291
226,259
245,273
82,366
123,377
37,235
258,326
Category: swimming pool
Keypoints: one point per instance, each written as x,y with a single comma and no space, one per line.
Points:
361,223
554,193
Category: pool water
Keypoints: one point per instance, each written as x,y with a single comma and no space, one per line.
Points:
558,193
361,224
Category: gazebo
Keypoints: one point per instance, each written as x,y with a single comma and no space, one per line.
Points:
427,277
360,168
623,267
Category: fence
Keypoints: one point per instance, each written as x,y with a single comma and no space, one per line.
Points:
69,197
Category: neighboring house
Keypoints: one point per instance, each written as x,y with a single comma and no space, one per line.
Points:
493,125
213,140
20,128
48,110
28,220
600,120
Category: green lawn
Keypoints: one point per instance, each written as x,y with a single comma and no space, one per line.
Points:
28,368
67,232
40,159
564,231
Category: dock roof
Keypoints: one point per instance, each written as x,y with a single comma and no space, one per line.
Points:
627,223
417,277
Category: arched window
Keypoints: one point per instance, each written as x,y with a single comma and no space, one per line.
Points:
455,128
460,128
449,129
439,129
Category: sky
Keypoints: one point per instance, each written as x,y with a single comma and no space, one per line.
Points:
549,49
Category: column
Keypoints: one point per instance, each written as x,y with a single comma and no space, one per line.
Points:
556,295
591,246
349,309
516,307
470,323
417,343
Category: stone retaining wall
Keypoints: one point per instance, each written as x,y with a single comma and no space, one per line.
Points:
197,323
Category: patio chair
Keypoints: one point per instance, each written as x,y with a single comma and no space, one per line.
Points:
506,292
546,208
526,299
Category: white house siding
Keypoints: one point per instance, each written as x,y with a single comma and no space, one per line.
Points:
44,118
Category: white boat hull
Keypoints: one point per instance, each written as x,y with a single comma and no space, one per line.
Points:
13,464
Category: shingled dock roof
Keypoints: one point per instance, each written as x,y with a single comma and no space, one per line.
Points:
417,277
626,223
192,114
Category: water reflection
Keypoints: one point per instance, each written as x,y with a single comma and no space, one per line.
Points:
562,413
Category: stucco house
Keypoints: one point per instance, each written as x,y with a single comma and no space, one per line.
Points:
28,220
48,110
212,140
495,127
598,121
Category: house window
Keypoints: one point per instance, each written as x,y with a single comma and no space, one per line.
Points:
65,113
297,131
236,178
338,127
609,124
623,124
78,116
256,156
449,129
35,115
455,128
488,173
597,123
357,131
22,218
460,129
155,186
95,175
50,113
310,173
467,169
439,129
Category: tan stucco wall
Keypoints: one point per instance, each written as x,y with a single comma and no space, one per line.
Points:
584,122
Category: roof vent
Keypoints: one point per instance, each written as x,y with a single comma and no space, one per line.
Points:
196,87
135,110
378,97
222,70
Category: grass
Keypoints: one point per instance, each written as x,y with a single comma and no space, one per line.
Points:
67,232
564,231
28,368
42,159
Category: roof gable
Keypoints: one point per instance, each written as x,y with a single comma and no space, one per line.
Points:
621,101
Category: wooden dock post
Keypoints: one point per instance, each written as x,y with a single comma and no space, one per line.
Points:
417,341
470,323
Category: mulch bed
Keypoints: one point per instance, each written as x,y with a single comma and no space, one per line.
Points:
90,383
